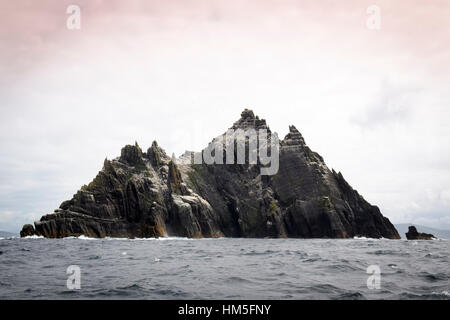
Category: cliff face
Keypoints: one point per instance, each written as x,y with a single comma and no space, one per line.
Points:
148,194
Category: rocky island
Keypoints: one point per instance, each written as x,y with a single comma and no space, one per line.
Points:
413,234
149,194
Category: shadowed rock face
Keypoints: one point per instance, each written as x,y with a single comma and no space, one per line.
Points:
148,194
27,230
413,234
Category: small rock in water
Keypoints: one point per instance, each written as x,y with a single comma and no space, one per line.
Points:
413,234
27,230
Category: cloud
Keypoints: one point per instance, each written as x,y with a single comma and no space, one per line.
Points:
11,220
6,216
374,104
391,105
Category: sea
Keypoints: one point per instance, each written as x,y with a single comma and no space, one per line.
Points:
223,268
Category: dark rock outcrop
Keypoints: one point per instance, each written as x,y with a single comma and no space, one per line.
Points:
27,230
151,195
413,234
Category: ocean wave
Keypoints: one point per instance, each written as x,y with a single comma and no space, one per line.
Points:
433,277
9,238
241,268
434,255
83,237
33,237
433,295
445,293
257,253
351,296
164,239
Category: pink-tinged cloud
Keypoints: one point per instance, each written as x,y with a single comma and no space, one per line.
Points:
414,34
373,103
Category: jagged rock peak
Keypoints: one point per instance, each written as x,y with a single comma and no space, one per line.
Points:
249,120
248,114
294,137
157,155
108,167
131,155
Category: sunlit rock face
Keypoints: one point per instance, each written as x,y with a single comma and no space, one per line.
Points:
149,194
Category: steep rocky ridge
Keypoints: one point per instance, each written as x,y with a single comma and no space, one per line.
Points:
149,194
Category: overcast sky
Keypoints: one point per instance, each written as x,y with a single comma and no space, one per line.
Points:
374,103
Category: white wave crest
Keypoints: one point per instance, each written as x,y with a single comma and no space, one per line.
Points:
83,237
33,237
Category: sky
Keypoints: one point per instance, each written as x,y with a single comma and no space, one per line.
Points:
373,102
